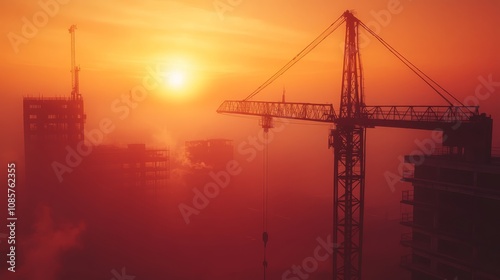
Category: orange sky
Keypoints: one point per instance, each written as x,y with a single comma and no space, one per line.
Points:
226,54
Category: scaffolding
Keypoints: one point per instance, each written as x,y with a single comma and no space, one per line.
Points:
133,167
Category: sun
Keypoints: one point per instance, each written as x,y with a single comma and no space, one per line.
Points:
176,79
181,77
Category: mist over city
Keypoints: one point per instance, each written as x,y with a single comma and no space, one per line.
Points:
236,139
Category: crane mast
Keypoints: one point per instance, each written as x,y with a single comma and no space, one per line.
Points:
465,131
75,83
349,164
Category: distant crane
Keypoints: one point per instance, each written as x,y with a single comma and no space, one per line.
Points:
75,70
466,133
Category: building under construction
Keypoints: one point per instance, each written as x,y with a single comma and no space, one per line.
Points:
56,152
54,128
452,212
211,153
205,156
50,125
133,167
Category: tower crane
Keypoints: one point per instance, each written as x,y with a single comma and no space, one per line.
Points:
75,70
466,133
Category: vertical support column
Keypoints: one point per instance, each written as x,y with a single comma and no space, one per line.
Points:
349,181
349,164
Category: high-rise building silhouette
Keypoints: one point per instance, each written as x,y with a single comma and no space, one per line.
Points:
452,212
133,167
53,137
50,125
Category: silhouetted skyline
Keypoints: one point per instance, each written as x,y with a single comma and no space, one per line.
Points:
137,175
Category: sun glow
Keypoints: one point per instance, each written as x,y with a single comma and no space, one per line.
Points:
176,79
181,79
